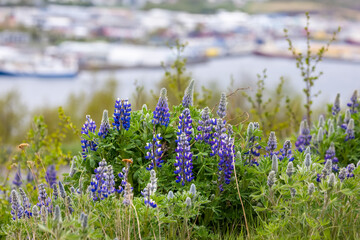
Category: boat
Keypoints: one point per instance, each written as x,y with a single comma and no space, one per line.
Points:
45,67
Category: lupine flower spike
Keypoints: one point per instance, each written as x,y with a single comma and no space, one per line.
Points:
55,191
103,183
122,114
189,95
286,151
205,126
26,203
253,147
57,215
188,202
183,164
72,167
275,163
105,125
304,136
271,179
149,190
292,192
87,145
307,161
336,107
35,212
154,152
29,177
311,189
170,195
290,169
272,143
17,210
326,171
226,160
332,180
350,130
161,112
221,112
50,175
84,222
330,155
193,190
346,172
17,179
62,190
321,122
354,102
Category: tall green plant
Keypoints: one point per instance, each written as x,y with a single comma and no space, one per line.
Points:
307,63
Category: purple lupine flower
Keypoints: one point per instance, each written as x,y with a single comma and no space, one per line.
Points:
219,127
50,175
149,190
43,198
326,171
105,125
350,130
349,170
128,194
26,203
226,161
336,107
29,177
122,114
272,143
154,152
189,95
342,174
304,137
184,126
222,106
205,126
330,155
17,179
86,145
354,102
16,208
55,191
286,151
183,162
161,112
252,145
102,183
347,118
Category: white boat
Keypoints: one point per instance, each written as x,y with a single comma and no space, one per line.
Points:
39,67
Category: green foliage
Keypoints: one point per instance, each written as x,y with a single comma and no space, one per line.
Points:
307,63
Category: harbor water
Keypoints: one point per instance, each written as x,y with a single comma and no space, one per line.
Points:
339,77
